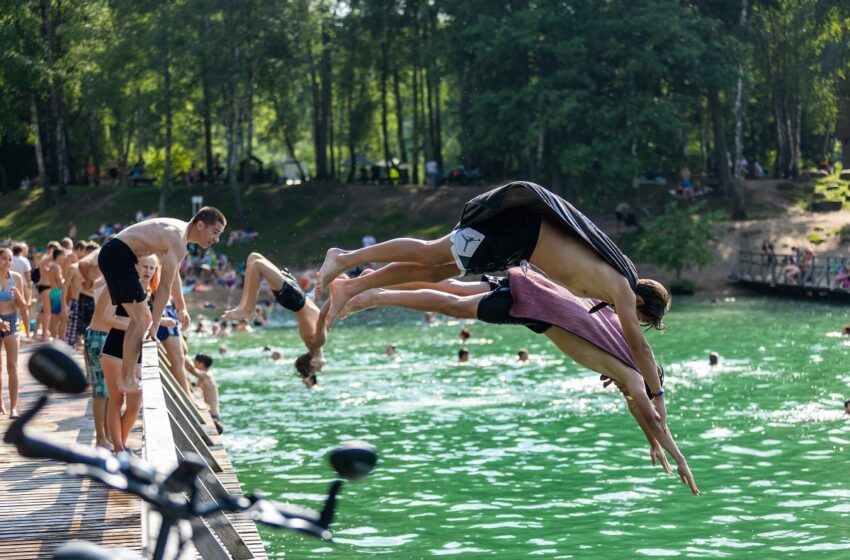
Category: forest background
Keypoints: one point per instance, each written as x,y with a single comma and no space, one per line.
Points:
582,96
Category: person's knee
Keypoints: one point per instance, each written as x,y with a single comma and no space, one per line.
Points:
253,257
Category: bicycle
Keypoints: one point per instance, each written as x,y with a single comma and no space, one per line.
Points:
175,496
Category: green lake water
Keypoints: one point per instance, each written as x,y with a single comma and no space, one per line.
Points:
493,459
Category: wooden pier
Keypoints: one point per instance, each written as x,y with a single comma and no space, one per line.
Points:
770,273
43,506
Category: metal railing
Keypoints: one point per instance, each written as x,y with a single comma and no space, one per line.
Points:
775,269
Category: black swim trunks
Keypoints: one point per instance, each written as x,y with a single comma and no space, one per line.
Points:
117,262
495,307
113,346
496,243
290,295
86,312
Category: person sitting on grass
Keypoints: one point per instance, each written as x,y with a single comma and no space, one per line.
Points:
287,293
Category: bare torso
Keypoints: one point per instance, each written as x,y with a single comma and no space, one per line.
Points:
90,272
576,265
102,303
54,276
74,282
154,237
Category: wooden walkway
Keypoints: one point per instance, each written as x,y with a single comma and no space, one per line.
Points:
770,273
43,506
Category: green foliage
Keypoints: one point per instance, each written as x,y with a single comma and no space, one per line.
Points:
679,238
683,287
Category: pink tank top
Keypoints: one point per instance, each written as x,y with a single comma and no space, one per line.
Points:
537,297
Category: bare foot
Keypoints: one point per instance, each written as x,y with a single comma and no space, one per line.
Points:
236,314
329,270
131,385
2,410
14,414
104,445
358,303
339,297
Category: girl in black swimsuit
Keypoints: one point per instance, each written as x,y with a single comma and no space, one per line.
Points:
119,425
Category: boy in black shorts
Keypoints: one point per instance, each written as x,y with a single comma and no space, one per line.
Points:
517,223
287,293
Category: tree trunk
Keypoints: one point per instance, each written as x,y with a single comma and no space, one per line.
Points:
399,114
207,111
352,155
325,103
39,153
91,131
249,118
166,174
739,209
720,147
291,149
318,141
384,124
414,160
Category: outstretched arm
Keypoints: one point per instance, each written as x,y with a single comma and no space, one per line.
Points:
624,304
656,430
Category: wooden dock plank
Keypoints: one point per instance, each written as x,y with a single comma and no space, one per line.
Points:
43,506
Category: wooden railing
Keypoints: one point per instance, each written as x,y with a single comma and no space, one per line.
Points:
174,426
773,270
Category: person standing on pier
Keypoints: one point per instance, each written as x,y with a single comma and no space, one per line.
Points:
11,303
167,238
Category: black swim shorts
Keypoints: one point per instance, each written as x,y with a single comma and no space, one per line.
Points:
497,243
290,295
117,262
86,312
495,308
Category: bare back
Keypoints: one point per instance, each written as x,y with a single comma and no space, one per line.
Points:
102,303
576,265
74,281
158,236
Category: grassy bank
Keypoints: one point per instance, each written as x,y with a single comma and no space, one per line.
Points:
296,224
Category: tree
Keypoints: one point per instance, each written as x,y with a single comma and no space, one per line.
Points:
679,238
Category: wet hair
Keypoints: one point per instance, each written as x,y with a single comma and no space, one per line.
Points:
656,302
79,245
57,253
209,216
465,333
304,365
305,368
204,359
462,352
846,403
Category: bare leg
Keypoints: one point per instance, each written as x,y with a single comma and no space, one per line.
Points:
403,249
174,350
140,319
342,290
131,412
258,267
112,372
10,343
460,307
99,413
46,314
2,406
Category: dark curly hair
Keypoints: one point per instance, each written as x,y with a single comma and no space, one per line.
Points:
656,302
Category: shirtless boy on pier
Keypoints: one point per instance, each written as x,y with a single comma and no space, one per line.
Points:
167,238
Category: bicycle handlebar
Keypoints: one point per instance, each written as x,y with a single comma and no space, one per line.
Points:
129,474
